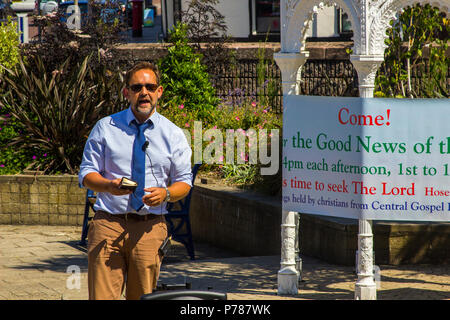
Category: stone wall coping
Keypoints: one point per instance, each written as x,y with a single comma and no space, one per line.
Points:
233,193
318,50
245,50
26,178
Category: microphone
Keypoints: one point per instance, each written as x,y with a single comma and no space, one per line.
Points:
145,145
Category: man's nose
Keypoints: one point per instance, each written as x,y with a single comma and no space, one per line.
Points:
144,91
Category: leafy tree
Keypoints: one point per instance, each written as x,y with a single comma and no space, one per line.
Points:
100,33
418,29
207,33
184,77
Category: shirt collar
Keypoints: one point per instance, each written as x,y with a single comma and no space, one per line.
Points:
129,117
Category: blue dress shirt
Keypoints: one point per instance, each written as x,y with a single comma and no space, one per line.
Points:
109,152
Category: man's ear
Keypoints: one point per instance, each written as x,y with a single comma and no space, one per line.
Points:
160,91
125,92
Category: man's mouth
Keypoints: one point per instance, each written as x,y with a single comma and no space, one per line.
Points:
143,101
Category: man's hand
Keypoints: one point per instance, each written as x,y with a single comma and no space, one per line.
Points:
96,182
156,196
114,189
178,190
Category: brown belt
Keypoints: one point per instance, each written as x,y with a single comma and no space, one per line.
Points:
132,216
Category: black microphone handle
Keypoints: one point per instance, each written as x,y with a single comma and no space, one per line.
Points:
145,145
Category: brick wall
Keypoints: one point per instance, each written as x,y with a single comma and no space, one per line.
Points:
44,200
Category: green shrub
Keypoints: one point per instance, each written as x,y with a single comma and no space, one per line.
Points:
240,117
9,44
12,160
185,79
65,83
58,112
248,115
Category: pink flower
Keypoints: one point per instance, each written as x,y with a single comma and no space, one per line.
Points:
181,106
187,125
184,114
45,154
254,104
244,157
265,110
237,118
34,157
2,165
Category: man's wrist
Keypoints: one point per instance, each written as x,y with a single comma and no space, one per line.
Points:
167,199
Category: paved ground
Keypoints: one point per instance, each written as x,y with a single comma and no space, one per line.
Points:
34,261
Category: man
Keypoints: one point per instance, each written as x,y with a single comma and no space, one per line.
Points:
129,226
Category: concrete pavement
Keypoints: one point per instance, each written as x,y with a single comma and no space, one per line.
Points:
36,263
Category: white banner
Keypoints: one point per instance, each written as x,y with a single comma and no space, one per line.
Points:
376,159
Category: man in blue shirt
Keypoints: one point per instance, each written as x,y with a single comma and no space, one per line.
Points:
128,228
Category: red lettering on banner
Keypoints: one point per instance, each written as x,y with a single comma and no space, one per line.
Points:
347,118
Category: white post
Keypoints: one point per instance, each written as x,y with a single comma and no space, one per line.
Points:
298,259
288,275
365,287
22,26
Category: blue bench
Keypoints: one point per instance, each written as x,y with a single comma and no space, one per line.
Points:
177,217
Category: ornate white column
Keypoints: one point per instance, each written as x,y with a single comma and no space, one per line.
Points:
366,66
365,288
298,259
288,276
289,63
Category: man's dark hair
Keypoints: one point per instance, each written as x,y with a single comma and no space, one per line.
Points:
141,66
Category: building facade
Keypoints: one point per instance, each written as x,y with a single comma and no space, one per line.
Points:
253,20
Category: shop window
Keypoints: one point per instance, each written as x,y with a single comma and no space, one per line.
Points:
266,16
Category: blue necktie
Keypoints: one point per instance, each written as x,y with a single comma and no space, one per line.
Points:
138,166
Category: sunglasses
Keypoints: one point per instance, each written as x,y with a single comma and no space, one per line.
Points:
149,86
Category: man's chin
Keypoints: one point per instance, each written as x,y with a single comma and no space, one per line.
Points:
145,110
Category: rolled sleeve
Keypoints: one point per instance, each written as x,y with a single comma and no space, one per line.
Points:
180,169
93,155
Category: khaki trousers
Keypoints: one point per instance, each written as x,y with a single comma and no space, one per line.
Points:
123,252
